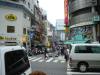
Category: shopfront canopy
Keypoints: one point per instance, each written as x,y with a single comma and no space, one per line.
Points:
75,41
68,42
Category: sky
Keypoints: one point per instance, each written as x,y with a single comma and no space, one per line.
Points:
54,9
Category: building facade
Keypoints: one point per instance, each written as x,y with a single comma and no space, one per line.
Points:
60,30
21,22
15,20
50,34
84,17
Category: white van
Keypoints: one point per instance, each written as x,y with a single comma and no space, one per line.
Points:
84,56
14,61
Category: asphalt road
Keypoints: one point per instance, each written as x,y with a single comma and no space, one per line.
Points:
51,66
56,66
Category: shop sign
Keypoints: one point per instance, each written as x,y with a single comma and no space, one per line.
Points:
7,38
11,17
66,12
96,18
24,39
1,37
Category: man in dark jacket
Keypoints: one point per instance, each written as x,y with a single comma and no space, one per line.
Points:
66,56
45,52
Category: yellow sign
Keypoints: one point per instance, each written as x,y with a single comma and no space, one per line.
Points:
67,29
1,37
7,38
11,17
24,39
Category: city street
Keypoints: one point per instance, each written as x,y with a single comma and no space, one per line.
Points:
52,65
62,29
56,66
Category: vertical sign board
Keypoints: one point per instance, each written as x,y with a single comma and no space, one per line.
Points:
66,11
66,15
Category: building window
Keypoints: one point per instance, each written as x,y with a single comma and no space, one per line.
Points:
15,0
24,1
25,15
28,4
24,30
72,0
82,11
10,29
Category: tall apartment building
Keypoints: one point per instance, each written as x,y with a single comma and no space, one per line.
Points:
84,20
50,34
60,30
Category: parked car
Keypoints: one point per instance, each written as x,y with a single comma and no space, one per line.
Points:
85,56
14,61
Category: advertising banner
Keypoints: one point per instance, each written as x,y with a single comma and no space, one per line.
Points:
66,12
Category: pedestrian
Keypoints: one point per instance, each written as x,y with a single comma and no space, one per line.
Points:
66,56
38,73
62,50
45,52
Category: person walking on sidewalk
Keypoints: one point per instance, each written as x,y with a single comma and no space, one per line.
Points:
45,52
66,55
62,50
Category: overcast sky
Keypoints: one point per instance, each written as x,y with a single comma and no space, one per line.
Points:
54,9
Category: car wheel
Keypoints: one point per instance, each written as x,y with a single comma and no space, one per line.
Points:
82,67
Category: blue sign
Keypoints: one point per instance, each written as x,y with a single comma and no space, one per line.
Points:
31,34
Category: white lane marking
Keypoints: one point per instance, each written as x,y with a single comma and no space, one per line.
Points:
69,69
62,61
78,73
37,59
68,65
55,61
31,58
41,60
49,60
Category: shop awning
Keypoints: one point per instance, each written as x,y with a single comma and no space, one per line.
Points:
82,41
68,42
75,41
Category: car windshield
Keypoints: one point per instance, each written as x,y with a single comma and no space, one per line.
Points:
16,62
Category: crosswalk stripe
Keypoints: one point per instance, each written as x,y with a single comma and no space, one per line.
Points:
55,61
78,73
41,60
69,69
62,61
49,60
37,59
31,58
68,65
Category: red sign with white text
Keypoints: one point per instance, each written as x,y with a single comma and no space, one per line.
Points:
66,12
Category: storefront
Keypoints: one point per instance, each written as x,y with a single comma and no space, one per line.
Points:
82,33
5,40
